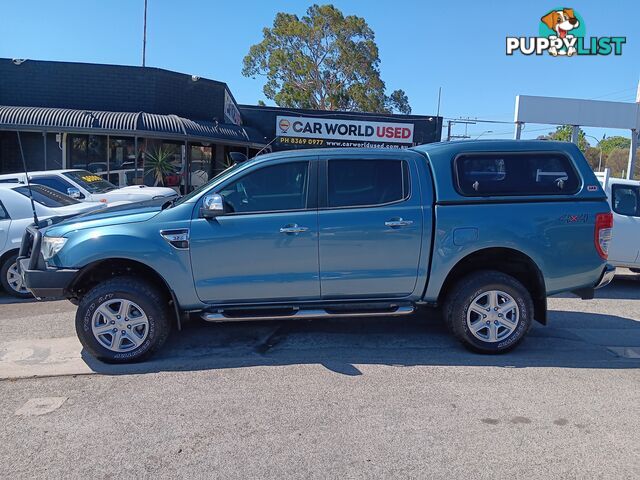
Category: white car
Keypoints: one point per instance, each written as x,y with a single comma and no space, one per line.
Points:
16,215
624,198
90,187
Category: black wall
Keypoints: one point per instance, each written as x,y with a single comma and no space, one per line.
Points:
109,87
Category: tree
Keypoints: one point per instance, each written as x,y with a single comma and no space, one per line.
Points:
611,143
592,155
617,161
324,61
563,133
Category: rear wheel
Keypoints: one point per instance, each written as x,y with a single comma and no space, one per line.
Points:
489,311
123,320
11,279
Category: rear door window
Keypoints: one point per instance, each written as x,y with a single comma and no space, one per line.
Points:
625,199
359,183
503,174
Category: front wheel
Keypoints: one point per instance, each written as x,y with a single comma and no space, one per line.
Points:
489,311
11,279
122,320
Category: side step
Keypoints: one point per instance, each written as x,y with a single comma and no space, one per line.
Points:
221,316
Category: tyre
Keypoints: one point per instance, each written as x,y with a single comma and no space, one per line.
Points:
11,279
489,311
123,320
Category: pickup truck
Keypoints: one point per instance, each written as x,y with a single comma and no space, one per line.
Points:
485,229
624,199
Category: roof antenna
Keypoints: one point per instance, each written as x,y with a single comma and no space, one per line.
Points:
26,174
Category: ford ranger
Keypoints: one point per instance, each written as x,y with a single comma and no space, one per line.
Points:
485,229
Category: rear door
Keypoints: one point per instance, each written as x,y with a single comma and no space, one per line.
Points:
625,203
370,227
5,223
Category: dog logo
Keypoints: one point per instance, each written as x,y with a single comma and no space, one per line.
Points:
284,125
562,23
561,33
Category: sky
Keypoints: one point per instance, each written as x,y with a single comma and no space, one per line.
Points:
424,45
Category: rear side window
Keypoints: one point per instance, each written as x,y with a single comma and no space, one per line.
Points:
503,174
357,183
46,196
625,199
3,213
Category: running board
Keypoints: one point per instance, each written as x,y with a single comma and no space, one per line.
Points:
299,314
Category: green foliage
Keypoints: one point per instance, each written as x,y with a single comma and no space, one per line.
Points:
324,61
611,143
158,163
563,134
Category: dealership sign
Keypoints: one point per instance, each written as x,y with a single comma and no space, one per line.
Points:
350,130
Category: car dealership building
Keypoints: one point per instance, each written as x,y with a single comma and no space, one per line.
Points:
121,122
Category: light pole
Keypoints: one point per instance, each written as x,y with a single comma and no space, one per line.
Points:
599,148
486,131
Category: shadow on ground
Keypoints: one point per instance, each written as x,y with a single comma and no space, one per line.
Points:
574,340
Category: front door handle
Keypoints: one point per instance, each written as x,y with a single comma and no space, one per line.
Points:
293,229
398,222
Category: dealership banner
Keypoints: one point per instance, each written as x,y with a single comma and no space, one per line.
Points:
322,130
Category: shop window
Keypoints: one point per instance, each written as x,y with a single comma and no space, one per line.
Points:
88,152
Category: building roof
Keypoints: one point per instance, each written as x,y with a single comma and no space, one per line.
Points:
125,123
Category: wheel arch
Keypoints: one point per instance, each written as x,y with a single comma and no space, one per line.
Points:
506,260
101,270
7,254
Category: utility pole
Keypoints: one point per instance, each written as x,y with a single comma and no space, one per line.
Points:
450,123
144,36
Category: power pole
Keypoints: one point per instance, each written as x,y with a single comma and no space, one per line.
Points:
144,36
450,123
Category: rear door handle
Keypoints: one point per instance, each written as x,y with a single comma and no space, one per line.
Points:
293,229
398,222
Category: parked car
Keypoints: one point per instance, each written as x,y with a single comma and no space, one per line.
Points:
624,198
89,187
338,233
16,214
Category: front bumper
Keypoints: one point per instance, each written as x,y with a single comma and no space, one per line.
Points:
607,275
42,281
46,283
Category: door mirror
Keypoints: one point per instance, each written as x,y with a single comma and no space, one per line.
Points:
212,206
74,192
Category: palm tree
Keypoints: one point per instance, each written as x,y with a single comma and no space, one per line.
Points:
159,163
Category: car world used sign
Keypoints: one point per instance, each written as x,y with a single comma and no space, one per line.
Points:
338,132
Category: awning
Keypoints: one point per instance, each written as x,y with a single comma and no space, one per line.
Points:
142,124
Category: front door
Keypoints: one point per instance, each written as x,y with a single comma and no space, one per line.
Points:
625,203
265,248
370,226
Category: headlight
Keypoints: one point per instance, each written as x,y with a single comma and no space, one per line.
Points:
51,246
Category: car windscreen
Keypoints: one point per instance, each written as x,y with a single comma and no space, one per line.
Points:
46,196
90,181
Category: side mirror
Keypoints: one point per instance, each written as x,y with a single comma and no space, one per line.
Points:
74,192
212,206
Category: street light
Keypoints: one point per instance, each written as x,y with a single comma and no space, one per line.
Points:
486,131
599,148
